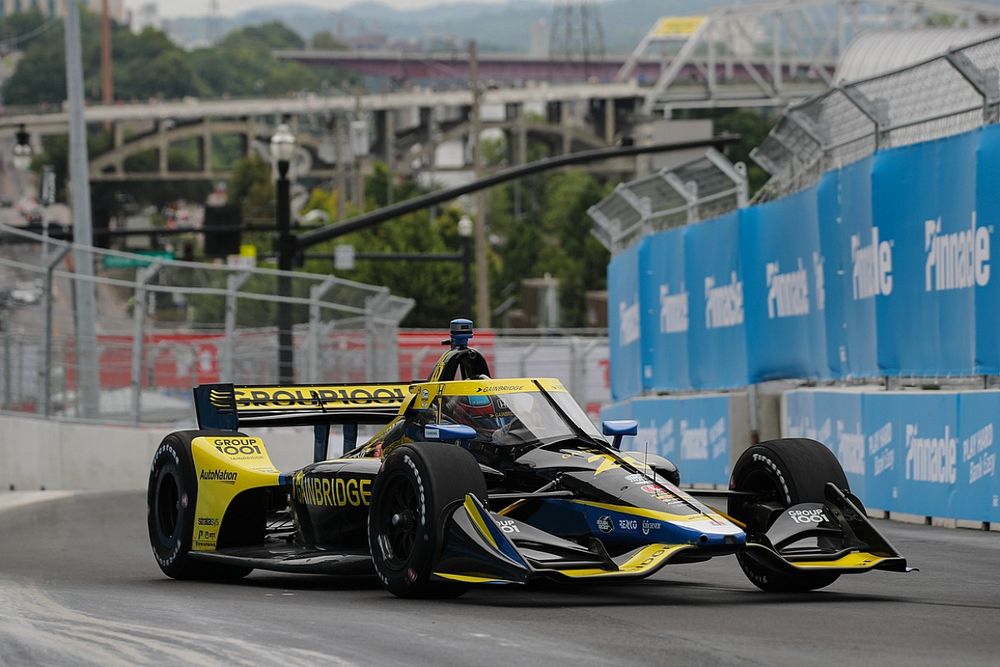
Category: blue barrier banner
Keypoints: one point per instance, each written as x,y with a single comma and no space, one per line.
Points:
784,289
977,484
620,410
924,201
665,314
658,428
624,339
857,267
717,349
988,217
912,451
834,419
703,439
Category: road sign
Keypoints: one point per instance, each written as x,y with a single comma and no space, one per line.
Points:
343,257
139,260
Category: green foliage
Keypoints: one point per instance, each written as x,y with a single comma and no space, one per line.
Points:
324,41
149,65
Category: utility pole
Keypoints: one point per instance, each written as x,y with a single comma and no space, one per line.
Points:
88,381
107,87
482,269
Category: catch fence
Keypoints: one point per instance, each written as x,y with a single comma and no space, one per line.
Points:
163,326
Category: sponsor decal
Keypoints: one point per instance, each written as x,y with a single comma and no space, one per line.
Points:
238,447
723,304
649,526
508,526
931,459
315,397
787,293
673,310
604,524
982,463
808,516
661,494
335,492
878,447
851,449
636,479
492,388
628,524
218,475
628,327
207,521
871,267
958,260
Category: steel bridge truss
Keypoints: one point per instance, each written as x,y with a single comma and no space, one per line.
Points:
773,53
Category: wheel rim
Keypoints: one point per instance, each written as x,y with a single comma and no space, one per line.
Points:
168,506
766,487
399,519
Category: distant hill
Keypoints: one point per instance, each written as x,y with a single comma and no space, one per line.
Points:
501,27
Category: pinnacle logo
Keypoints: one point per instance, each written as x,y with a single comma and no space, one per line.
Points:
673,310
628,326
959,260
218,475
931,459
787,293
723,304
871,267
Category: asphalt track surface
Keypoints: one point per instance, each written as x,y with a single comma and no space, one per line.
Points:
78,586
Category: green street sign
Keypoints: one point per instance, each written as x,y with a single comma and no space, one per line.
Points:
116,262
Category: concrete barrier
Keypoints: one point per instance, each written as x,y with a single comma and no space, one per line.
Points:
39,453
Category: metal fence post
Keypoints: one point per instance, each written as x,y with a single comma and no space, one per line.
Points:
233,284
142,278
46,368
316,293
7,382
688,191
372,305
986,86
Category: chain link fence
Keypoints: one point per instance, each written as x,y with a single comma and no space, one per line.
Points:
164,326
703,188
947,94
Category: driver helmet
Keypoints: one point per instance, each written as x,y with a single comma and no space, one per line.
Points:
485,414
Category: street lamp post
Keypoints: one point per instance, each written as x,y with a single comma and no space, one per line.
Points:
465,232
282,150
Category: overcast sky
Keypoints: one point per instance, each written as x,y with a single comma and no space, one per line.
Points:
171,8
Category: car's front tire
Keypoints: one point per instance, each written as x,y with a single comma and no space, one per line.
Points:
785,472
171,496
412,499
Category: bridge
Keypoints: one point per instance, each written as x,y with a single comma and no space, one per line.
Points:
406,127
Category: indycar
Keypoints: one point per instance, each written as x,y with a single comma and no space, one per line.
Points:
470,480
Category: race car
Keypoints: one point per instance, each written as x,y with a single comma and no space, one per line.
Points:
471,480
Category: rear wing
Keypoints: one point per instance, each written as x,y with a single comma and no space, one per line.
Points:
230,407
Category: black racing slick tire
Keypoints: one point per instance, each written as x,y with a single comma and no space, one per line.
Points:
171,497
412,498
783,472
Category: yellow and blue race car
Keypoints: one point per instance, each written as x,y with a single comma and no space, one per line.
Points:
473,480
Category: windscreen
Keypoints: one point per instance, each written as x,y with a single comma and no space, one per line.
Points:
519,418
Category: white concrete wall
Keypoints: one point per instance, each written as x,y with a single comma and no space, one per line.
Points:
39,453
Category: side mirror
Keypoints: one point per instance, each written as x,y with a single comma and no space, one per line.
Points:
619,428
449,432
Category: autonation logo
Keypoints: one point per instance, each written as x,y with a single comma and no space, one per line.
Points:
871,267
628,323
723,303
959,260
787,293
673,310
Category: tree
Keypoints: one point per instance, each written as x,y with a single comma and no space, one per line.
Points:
324,41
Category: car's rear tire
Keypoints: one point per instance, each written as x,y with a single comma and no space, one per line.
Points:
171,497
787,472
412,498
